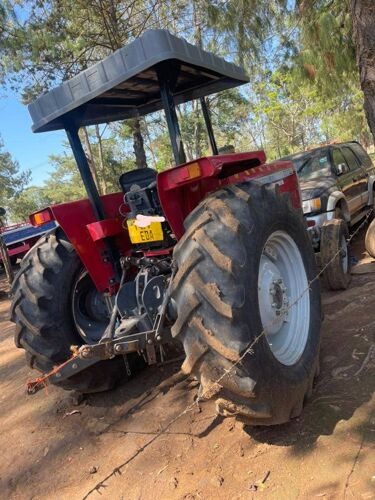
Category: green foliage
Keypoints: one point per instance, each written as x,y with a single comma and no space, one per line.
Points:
63,184
326,53
30,200
301,61
245,26
12,180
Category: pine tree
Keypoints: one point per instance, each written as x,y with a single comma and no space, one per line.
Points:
12,180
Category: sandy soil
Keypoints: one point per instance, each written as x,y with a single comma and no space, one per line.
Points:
109,445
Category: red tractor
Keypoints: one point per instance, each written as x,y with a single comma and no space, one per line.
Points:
212,253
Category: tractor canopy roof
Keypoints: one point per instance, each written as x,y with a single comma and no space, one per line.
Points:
125,84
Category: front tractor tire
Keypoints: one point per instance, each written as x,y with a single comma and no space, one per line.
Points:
44,311
245,264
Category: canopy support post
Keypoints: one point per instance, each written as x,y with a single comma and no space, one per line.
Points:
207,121
93,195
166,85
84,170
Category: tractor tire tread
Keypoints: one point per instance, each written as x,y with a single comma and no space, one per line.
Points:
43,327
211,321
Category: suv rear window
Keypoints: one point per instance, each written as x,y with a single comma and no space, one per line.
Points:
364,158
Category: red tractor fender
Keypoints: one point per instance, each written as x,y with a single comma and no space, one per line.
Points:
86,234
180,190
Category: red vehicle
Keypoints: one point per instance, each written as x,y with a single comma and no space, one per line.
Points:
19,238
212,254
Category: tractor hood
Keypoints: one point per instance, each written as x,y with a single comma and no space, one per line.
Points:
126,85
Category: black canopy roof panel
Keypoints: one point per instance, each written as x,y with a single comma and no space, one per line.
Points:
125,84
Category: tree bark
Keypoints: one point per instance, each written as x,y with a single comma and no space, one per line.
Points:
363,16
6,261
138,146
5,257
150,146
101,160
197,129
90,157
196,108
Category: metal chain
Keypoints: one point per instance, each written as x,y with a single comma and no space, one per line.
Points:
216,383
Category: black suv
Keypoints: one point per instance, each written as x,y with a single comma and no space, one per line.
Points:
336,181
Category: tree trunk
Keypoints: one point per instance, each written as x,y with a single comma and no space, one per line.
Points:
197,129
90,157
150,146
101,160
5,257
363,16
138,146
188,145
196,108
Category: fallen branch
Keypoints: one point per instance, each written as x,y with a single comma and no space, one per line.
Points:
370,355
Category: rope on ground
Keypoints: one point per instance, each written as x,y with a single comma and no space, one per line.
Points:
33,386
368,358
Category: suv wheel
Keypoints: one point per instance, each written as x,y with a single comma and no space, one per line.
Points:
370,240
334,254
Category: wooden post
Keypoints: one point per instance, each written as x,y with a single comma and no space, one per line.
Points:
5,257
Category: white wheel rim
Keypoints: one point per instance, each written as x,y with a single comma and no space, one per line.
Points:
282,279
344,254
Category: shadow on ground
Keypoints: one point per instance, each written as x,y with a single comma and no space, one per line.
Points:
346,379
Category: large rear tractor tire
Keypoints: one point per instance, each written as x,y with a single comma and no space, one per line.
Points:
245,264
48,292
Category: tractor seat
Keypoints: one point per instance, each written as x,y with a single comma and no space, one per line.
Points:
141,177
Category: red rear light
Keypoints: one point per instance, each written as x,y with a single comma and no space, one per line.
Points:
39,218
311,223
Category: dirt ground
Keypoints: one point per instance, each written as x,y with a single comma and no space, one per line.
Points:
109,445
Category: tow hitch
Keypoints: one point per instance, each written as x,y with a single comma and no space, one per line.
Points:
89,354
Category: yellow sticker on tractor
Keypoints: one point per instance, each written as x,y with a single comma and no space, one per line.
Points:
153,232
